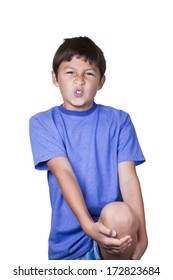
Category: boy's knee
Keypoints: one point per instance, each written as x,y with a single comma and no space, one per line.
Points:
120,217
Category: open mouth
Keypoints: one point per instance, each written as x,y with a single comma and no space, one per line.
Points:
78,93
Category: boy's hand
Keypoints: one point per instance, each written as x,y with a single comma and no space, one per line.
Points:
106,238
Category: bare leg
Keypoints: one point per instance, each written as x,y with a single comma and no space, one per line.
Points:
122,219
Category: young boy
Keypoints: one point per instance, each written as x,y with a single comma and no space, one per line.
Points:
90,152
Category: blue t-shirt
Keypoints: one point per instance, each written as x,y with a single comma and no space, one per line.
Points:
94,141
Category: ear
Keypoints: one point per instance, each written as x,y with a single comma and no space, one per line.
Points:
101,83
54,79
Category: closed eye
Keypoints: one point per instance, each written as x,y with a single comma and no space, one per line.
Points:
69,72
90,74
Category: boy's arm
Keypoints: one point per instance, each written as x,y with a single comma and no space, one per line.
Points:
61,168
70,189
131,193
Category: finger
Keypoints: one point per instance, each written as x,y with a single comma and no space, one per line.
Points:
119,245
117,250
125,240
124,246
115,245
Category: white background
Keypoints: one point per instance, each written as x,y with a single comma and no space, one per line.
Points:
137,40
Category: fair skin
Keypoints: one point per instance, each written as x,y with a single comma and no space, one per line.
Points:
79,82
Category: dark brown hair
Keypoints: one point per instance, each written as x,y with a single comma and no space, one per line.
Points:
82,46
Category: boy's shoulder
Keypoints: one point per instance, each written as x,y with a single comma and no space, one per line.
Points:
46,114
112,111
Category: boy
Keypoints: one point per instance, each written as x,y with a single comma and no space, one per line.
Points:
90,152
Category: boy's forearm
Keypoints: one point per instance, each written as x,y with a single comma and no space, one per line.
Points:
73,196
70,189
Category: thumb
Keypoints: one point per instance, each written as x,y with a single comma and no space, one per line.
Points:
113,233
107,231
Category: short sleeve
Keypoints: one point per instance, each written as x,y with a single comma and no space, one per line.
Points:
46,143
128,145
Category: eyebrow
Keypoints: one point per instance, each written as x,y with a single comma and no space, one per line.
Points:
73,68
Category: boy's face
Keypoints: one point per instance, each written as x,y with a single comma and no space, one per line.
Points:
78,81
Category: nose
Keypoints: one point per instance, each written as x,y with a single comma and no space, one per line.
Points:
79,80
